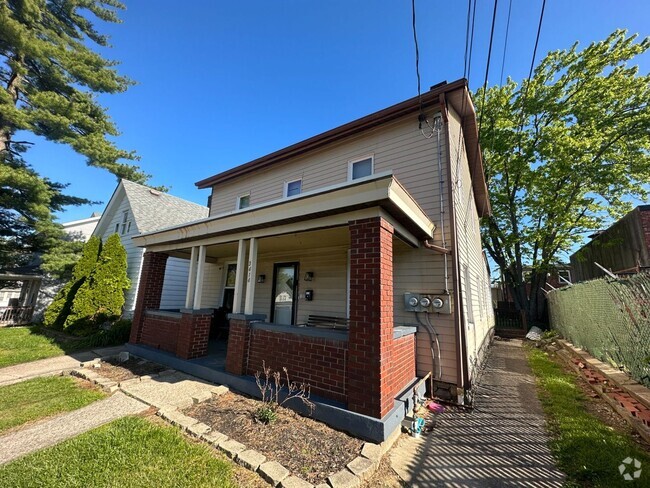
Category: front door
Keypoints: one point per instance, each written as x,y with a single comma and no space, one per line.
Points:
285,286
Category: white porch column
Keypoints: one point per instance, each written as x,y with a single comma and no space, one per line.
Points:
200,273
191,279
250,281
239,277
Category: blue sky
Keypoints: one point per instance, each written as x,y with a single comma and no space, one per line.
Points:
221,83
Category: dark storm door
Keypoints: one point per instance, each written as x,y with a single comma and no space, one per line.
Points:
285,287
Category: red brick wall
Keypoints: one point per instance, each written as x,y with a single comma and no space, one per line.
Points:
193,335
152,278
160,332
402,364
238,335
369,382
319,362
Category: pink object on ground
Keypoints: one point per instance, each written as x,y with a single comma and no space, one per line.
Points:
435,407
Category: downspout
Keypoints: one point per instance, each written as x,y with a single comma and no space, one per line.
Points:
462,379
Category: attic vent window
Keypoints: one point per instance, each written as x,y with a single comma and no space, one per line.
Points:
154,192
126,223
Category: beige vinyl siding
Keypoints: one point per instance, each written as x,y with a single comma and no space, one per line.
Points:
470,253
212,295
422,271
398,147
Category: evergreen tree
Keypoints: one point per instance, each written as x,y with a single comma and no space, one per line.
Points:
101,296
56,314
49,76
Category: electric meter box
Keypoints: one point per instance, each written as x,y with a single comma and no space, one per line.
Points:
427,302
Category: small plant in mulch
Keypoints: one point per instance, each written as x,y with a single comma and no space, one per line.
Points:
270,384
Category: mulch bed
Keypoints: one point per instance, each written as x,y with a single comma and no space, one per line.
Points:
307,448
118,371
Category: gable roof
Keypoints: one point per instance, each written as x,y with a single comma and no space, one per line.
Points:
152,209
456,93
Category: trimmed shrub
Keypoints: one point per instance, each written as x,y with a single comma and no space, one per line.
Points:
56,314
101,296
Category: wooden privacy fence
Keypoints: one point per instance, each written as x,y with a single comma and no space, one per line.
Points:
509,322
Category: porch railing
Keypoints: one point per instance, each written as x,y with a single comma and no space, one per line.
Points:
16,315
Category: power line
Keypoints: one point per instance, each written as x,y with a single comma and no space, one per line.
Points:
468,68
487,67
505,44
417,51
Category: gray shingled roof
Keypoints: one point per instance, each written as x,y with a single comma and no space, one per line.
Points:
154,210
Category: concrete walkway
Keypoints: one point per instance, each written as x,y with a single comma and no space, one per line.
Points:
53,366
502,442
48,432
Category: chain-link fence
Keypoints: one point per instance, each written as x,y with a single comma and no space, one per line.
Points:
610,319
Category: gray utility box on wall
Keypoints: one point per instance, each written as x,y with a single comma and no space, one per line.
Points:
427,302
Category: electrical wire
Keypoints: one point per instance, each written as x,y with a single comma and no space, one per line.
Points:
505,44
422,117
487,70
435,334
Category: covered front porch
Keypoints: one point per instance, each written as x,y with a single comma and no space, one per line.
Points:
306,284
18,293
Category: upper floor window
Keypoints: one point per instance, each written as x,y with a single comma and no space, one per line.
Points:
243,201
360,168
292,188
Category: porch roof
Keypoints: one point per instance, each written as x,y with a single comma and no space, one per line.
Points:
379,194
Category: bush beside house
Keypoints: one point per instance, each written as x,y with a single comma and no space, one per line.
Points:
56,314
95,294
101,296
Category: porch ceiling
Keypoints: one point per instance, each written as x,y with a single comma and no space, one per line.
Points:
327,208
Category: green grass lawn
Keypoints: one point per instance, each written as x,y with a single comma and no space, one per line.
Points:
42,397
586,449
130,452
23,344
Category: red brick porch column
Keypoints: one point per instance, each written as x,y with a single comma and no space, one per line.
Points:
238,338
193,333
152,278
371,317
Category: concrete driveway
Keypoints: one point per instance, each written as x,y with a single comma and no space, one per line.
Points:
502,442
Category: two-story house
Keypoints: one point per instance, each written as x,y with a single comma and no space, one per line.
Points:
353,258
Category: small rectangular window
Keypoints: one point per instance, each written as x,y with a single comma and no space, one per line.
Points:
117,228
360,168
125,218
243,201
293,188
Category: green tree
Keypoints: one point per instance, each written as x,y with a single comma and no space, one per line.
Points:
56,314
101,296
563,153
49,78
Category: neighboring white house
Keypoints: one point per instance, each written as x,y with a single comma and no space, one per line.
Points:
81,230
134,209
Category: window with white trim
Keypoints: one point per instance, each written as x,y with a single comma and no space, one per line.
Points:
243,201
292,188
360,168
